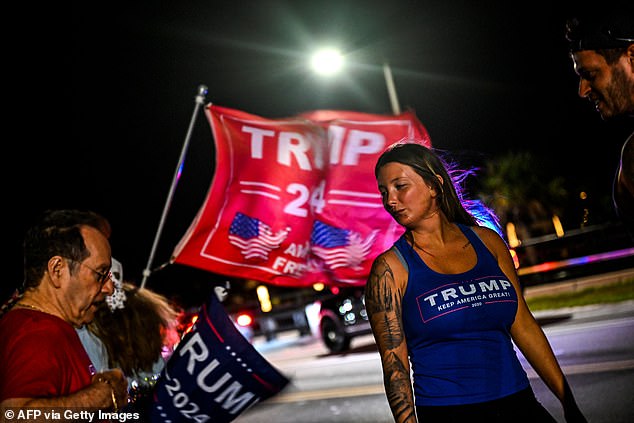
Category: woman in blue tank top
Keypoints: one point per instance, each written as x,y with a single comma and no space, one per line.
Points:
446,307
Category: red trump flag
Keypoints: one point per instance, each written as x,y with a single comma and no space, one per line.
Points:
294,201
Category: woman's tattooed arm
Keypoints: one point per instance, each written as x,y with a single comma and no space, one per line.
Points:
383,300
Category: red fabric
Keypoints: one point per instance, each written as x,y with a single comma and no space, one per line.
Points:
40,356
294,201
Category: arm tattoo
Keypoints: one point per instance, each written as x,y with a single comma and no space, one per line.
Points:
383,305
383,301
398,389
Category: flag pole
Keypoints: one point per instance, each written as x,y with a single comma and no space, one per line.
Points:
200,99
391,88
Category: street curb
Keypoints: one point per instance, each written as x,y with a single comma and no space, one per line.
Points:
587,310
578,284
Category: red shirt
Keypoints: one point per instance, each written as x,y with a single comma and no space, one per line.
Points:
40,356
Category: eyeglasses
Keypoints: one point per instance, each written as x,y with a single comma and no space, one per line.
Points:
102,277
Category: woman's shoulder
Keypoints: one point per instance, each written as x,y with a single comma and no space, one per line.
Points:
389,265
389,255
491,238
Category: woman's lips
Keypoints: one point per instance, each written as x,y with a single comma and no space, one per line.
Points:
397,213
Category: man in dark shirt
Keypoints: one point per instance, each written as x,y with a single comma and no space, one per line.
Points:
602,52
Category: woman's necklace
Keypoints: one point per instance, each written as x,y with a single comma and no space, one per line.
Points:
434,213
415,245
421,248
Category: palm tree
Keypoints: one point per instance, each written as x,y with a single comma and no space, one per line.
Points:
519,188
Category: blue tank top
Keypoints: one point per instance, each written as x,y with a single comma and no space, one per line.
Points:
457,329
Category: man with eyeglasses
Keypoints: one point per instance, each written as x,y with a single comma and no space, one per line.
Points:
42,361
602,50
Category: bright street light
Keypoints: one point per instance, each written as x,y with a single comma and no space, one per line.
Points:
327,61
330,61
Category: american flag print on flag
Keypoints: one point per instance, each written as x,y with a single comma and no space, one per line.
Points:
340,247
254,238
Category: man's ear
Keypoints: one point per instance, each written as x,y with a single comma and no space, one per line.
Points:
57,266
630,56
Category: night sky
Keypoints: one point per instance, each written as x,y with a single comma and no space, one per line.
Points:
106,93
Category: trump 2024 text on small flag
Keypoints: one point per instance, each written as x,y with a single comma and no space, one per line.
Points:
214,374
294,201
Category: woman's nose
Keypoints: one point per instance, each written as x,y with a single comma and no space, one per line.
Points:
390,201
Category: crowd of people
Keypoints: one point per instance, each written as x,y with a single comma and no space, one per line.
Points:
77,335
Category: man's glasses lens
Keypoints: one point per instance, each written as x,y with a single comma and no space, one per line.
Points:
102,277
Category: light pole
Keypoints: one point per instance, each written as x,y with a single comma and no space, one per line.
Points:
391,89
330,61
